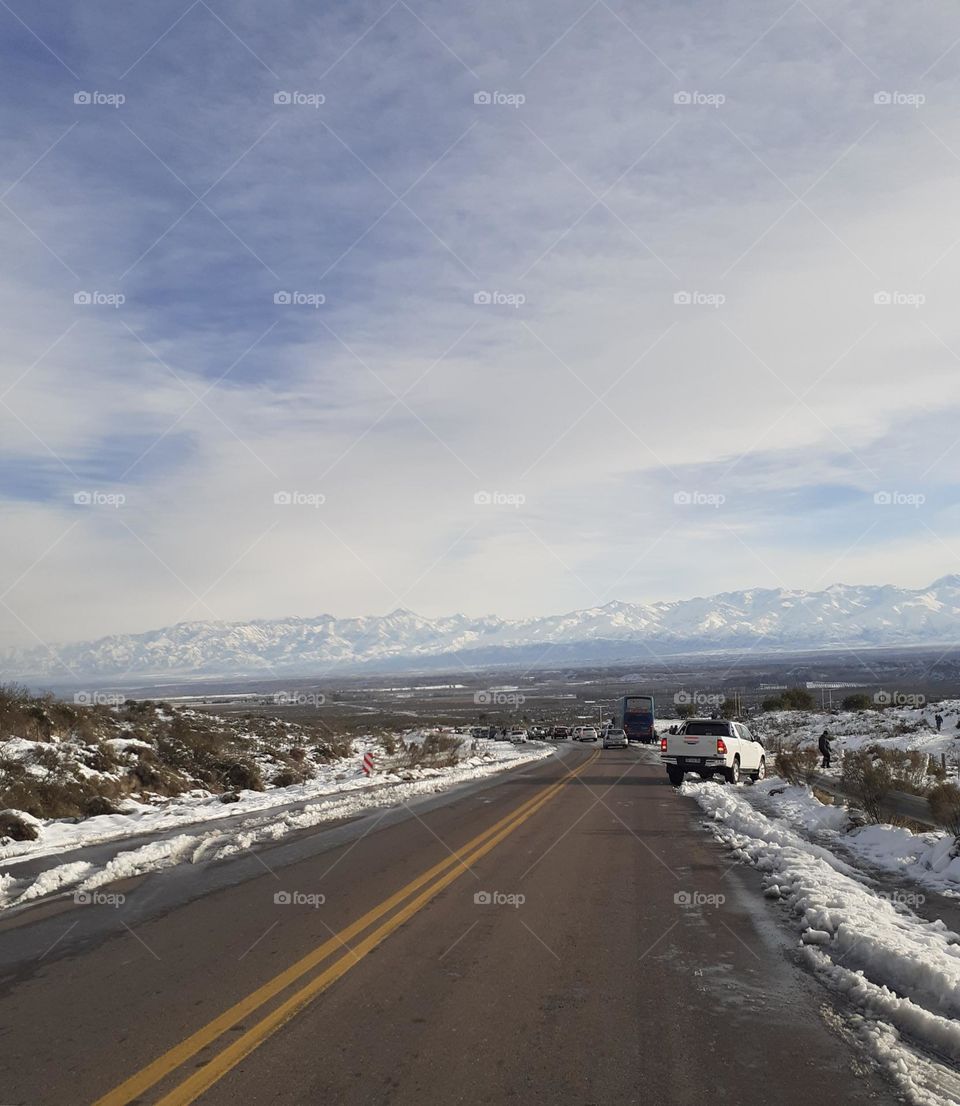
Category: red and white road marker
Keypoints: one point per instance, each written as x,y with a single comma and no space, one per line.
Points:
368,764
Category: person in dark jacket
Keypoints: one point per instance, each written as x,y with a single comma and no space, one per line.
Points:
824,746
938,718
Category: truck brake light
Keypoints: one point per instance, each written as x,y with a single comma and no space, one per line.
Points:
721,747
663,744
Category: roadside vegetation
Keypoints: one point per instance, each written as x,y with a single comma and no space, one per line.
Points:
60,760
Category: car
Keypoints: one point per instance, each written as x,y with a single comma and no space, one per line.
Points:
587,733
615,739
517,736
713,747
561,733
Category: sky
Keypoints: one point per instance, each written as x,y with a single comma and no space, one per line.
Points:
511,308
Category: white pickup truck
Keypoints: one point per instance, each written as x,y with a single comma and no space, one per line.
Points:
712,746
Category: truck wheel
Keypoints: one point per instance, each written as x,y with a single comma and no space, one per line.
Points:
761,772
675,775
733,772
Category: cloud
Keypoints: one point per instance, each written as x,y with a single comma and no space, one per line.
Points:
746,293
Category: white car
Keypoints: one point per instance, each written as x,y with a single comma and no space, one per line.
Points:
615,739
713,747
517,736
587,733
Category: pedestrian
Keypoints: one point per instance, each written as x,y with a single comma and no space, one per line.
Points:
824,746
938,718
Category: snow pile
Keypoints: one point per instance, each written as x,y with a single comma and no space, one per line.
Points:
900,972
256,818
931,858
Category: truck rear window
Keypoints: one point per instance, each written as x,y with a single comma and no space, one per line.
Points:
707,729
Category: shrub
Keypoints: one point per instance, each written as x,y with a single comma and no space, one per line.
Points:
15,827
945,806
287,777
240,775
797,698
868,779
797,765
97,805
858,701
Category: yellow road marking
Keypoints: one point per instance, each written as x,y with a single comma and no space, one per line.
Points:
164,1065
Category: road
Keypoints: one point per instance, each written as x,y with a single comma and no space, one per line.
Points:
564,933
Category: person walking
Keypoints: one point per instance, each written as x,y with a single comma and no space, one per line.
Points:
824,746
938,718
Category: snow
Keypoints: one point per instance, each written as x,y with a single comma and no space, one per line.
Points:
340,790
842,614
899,972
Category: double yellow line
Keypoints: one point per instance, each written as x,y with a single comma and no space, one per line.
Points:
419,892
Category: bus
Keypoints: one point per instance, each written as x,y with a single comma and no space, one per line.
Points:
636,711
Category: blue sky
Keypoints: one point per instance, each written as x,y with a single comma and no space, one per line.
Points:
782,168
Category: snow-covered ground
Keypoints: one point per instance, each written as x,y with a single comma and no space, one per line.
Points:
339,790
931,859
899,972
904,728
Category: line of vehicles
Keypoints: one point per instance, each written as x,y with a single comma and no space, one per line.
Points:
710,747
634,721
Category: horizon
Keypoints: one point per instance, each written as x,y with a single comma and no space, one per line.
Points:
919,590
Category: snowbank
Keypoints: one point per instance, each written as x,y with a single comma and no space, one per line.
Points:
899,972
257,817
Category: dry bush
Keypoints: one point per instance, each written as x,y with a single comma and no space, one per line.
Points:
239,775
15,827
332,747
945,806
868,779
908,770
797,765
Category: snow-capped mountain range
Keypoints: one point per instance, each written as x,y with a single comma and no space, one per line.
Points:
763,619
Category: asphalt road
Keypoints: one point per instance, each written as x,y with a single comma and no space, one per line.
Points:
542,937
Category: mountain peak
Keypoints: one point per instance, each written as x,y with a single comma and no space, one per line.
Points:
780,619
